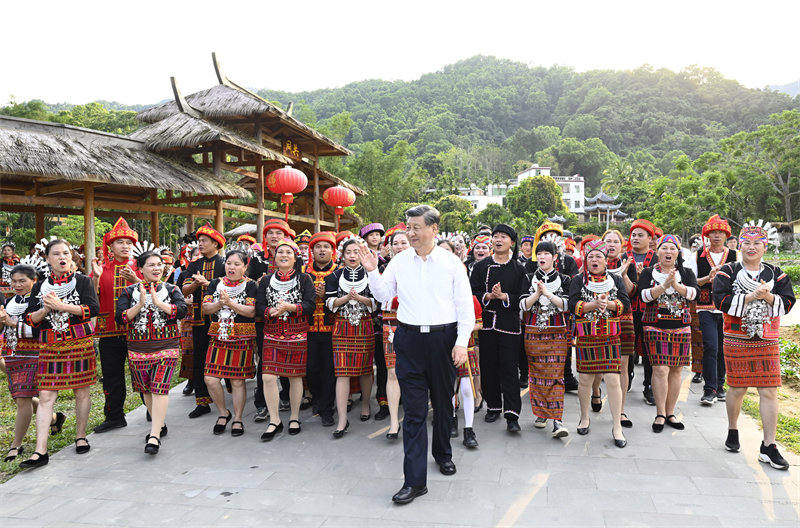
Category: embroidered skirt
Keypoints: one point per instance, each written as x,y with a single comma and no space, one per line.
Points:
285,349
597,354
152,371
669,348
230,358
697,340
472,358
67,365
187,349
353,347
21,369
389,326
547,353
628,336
752,362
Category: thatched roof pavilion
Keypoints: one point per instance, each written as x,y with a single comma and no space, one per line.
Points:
54,168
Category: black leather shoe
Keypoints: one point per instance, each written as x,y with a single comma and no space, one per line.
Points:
676,424
267,436
19,451
512,426
327,421
82,449
619,443
164,432
625,422
294,430
188,389
41,461
454,427
108,425
447,468
219,428
393,436
152,449
597,402
469,438
584,430
408,494
491,416
340,432
382,413
200,410
570,384
238,431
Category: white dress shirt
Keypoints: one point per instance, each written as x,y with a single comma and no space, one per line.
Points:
433,291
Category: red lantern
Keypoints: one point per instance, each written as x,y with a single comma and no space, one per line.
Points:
338,197
286,182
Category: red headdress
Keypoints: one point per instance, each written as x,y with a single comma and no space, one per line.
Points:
212,233
120,230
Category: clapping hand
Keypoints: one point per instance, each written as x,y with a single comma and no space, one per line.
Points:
671,278
199,279
224,298
52,302
4,319
97,269
127,273
142,293
320,289
369,259
353,295
639,267
762,291
541,290
497,292
714,271
602,302
164,307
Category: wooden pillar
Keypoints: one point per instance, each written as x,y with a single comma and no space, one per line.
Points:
88,221
154,236
219,218
317,217
260,204
189,224
38,211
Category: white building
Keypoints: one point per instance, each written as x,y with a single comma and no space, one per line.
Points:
572,187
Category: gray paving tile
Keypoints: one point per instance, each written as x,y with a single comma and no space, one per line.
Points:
786,488
644,520
16,522
683,467
646,483
536,516
723,507
13,503
459,513
599,500
341,505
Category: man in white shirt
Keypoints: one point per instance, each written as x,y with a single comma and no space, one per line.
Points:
435,317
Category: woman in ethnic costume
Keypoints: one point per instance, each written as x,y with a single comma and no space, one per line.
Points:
667,289
21,356
62,308
543,302
189,253
286,299
597,298
620,264
151,310
231,303
347,295
399,243
9,259
753,295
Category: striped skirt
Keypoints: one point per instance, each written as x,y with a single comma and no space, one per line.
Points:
389,327
697,340
752,362
187,349
67,365
668,348
597,354
152,371
285,357
547,353
230,358
353,347
628,336
21,369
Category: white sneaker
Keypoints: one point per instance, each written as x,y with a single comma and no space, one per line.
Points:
559,431
540,423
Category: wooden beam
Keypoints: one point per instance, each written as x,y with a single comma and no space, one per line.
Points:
63,187
88,221
62,211
241,208
260,202
237,170
184,199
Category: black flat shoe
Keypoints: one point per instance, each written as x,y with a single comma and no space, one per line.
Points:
19,450
200,410
294,430
469,438
366,417
676,424
382,414
305,403
491,416
394,436
584,430
454,427
626,422
479,407
598,405
188,389
340,432
31,463
164,432
619,443
55,428
81,449
512,426
237,431
152,449
447,468
108,425
269,435
220,428
657,428
408,494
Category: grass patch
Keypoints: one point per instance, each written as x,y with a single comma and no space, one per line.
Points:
788,433
65,404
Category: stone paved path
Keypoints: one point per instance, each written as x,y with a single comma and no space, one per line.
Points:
677,478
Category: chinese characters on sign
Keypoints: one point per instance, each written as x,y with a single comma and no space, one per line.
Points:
292,149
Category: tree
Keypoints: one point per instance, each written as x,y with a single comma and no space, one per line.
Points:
71,230
588,158
456,213
492,215
537,193
774,152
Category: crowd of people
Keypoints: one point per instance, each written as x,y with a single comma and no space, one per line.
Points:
315,319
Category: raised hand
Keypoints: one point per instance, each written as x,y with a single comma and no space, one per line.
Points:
320,289
368,259
52,302
97,269
224,298
142,293
762,291
127,273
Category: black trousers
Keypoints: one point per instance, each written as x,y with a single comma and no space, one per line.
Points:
113,355
319,375
258,395
638,329
382,374
425,370
499,372
200,341
522,360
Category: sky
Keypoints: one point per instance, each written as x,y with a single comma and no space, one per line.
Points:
82,51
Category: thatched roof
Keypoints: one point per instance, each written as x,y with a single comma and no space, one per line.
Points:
224,101
183,130
36,148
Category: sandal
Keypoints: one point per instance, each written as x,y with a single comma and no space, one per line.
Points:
237,431
81,449
19,451
219,428
676,424
626,422
55,427
152,449
294,430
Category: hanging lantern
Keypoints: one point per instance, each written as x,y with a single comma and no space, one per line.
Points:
338,197
286,182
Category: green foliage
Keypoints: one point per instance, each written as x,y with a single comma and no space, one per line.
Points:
92,115
793,272
456,213
71,230
537,193
492,215
790,359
